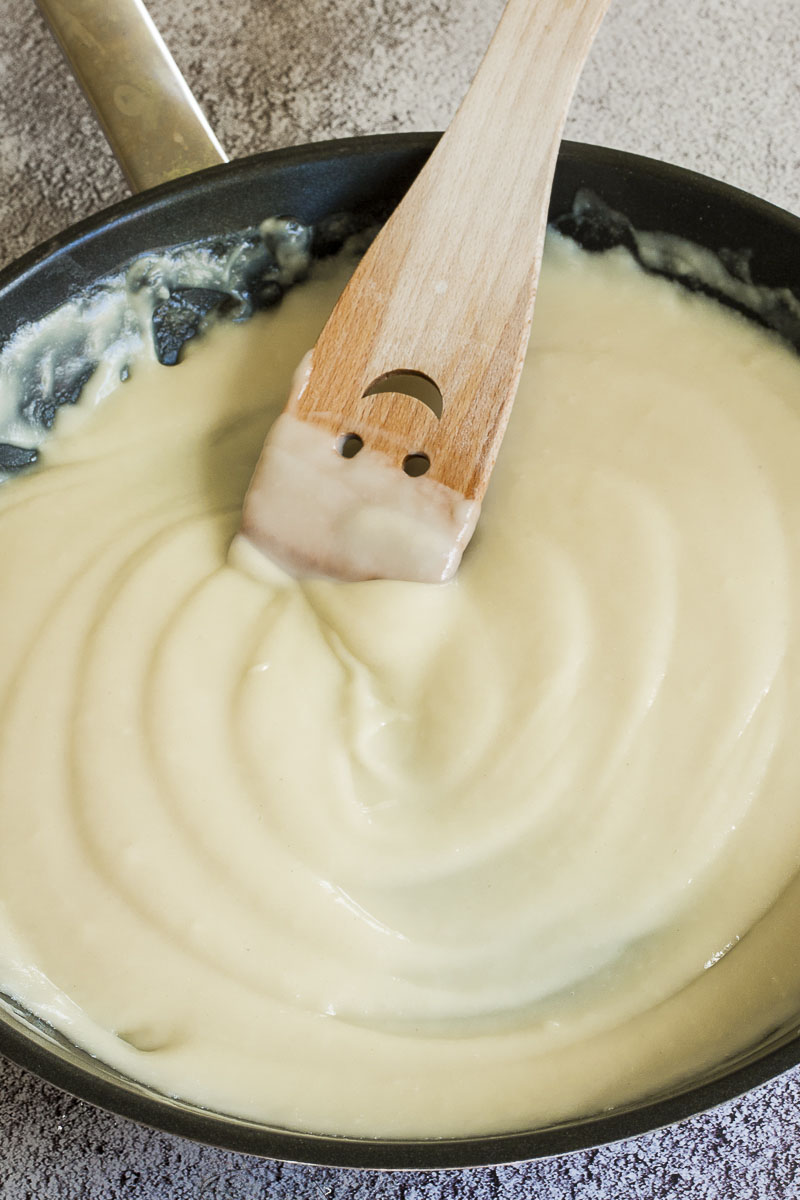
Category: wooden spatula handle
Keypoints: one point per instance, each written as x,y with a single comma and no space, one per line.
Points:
446,289
445,292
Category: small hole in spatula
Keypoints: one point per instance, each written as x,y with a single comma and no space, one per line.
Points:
416,464
349,445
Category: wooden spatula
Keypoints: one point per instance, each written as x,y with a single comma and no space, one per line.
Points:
360,478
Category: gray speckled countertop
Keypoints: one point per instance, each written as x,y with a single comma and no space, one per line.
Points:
711,84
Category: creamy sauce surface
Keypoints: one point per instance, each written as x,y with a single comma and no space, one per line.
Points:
398,859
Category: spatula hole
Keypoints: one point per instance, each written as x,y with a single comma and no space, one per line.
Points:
416,464
409,383
349,445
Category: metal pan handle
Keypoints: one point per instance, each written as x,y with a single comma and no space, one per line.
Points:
151,119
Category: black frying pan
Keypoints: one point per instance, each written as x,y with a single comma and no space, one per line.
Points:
369,175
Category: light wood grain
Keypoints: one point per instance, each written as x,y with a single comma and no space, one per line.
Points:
447,288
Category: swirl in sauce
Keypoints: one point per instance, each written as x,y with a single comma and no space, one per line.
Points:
397,859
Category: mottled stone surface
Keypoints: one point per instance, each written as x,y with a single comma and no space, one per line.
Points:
56,1147
711,84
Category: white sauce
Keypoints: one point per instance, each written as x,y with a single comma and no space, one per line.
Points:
389,858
